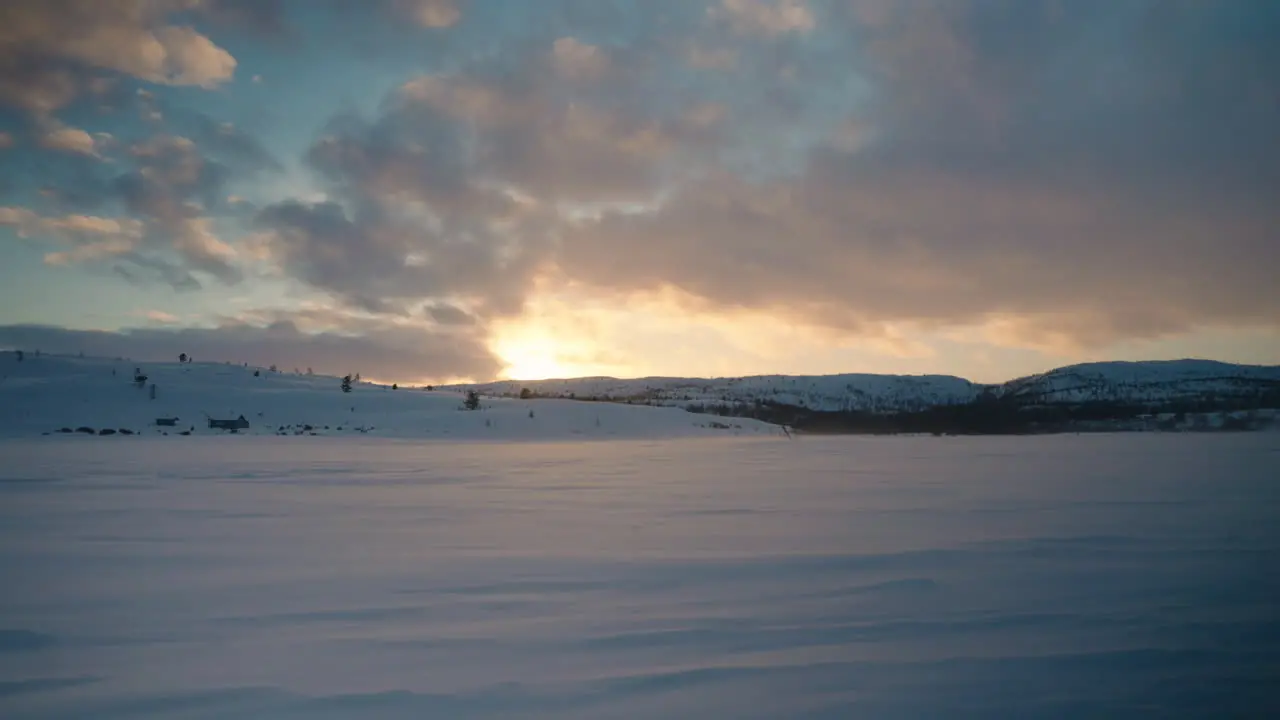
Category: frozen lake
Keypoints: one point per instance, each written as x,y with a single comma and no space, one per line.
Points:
1063,576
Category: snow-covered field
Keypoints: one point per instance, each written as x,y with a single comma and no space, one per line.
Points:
260,577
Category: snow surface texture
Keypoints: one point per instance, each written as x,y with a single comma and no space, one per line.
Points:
45,394
1137,382
1035,577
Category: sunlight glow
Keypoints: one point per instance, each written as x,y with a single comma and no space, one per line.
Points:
529,355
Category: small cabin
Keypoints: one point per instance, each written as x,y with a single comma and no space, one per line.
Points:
167,422
238,424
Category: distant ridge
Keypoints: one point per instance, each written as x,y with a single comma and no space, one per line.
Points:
1116,381
48,393
1120,395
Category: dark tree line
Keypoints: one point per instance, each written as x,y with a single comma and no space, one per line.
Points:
987,415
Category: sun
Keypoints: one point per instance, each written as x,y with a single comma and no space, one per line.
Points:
527,356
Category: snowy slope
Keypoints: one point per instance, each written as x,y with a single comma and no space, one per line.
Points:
48,393
1143,382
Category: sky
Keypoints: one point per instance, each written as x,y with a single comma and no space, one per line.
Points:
437,190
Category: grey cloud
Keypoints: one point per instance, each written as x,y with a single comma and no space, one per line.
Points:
375,254
265,17
235,147
425,207
147,269
319,244
40,88
420,155
430,13
1099,170
446,314
172,187
1085,87
850,246
529,121
383,352
49,49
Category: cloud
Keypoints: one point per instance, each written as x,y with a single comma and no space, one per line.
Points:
767,17
371,259
446,314
954,192
40,89
161,317
91,238
961,194
201,249
48,49
265,17
71,228
1045,174
174,183
451,192
577,60
233,146
381,352
69,139
166,235
850,251
92,251
431,13
128,247
712,58
511,126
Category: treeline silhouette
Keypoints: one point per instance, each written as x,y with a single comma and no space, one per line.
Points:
992,415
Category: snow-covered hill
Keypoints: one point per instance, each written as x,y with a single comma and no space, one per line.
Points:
1151,382
877,393
45,394
1144,382
49,393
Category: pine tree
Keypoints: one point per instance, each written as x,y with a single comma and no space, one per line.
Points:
473,400
346,383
